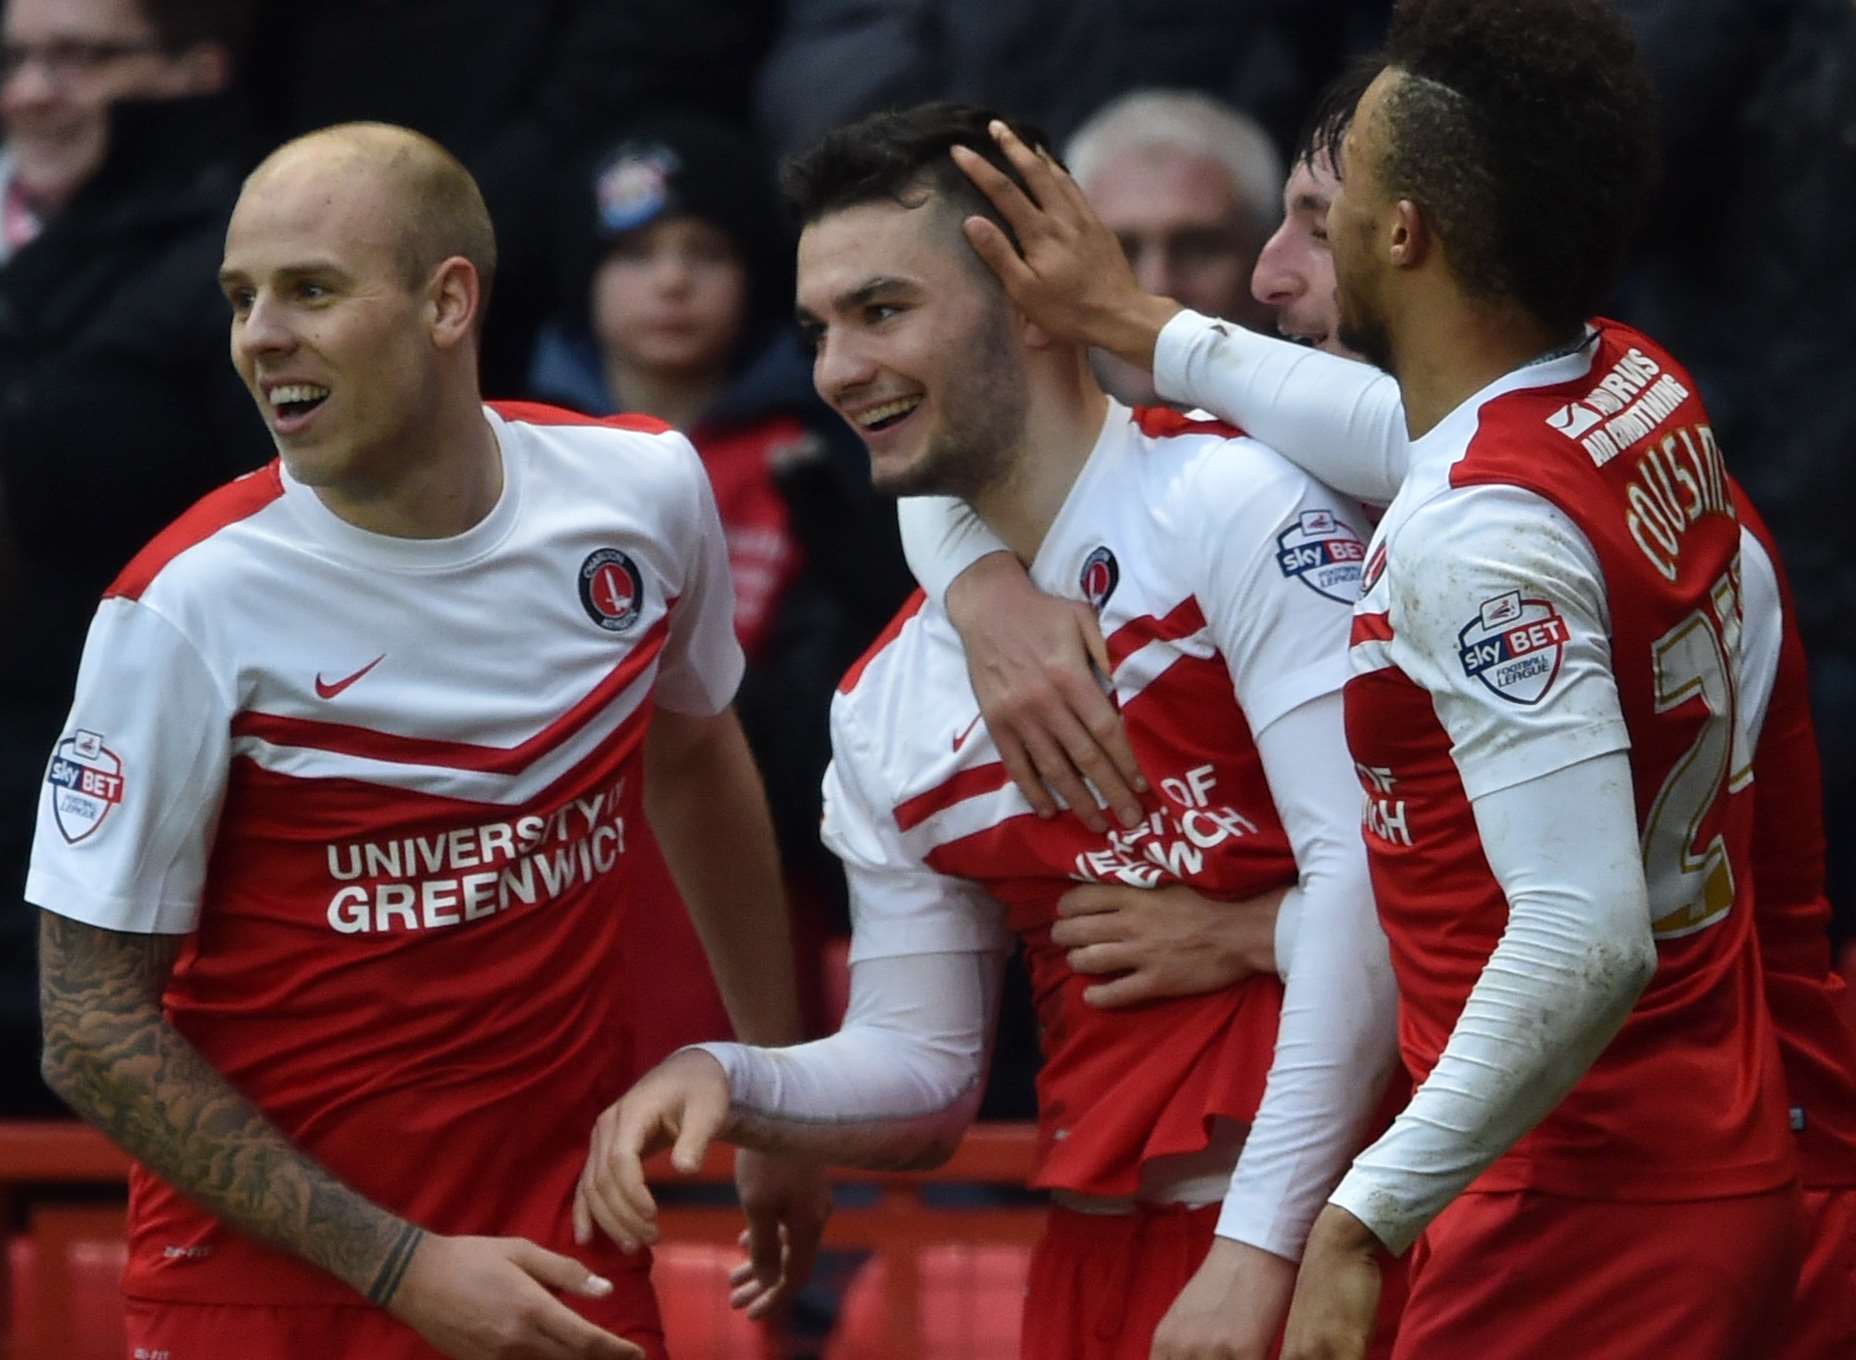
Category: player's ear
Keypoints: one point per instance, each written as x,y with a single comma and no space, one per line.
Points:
453,297
1034,335
1409,241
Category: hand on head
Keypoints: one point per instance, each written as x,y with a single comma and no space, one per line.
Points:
1068,273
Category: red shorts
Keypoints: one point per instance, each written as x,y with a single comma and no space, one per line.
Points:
1100,1283
211,1331
1823,1321
1516,1275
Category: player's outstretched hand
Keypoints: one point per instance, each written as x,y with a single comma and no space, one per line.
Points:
787,1200
1069,274
1230,1308
492,1298
1336,1292
1163,942
1029,657
680,1103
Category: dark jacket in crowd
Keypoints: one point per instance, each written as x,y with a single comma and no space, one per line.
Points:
118,408
1052,62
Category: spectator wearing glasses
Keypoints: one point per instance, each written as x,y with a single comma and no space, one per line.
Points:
117,405
63,64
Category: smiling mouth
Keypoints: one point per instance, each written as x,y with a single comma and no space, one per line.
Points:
889,414
293,401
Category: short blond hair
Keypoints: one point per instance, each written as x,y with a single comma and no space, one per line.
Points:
444,214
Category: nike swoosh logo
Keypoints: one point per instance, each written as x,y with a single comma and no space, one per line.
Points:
967,732
326,689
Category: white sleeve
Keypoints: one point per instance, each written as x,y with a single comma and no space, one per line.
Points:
1497,607
898,904
133,788
942,537
1762,631
903,1073
1341,421
1282,557
1576,952
1337,1041
702,662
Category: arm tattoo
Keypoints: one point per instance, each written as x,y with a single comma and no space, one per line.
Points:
115,1059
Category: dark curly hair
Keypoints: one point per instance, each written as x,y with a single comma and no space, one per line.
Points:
1526,131
901,155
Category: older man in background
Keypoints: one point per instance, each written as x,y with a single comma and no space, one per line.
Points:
1190,186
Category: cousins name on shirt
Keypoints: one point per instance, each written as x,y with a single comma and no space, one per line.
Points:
468,873
1674,483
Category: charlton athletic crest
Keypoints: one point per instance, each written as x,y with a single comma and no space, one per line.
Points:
611,590
86,782
1514,646
1323,553
1099,578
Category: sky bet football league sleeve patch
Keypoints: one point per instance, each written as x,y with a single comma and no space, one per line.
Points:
1514,646
1324,554
86,780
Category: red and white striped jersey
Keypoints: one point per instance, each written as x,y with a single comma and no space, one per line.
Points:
1556,579
1223,579
387,787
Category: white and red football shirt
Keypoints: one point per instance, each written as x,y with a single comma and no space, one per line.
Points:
390,791
1557,579
1345,423
1223,579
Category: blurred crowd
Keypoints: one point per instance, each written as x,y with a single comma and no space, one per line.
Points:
627,149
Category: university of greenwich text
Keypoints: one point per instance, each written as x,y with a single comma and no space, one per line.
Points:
449,878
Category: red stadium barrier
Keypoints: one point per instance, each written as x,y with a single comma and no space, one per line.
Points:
970,1302
691,1279
933,1267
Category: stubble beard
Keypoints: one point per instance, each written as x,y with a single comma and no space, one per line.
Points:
983,420
1364,333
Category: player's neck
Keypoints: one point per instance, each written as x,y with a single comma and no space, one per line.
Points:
1062,426
1447,352
442,487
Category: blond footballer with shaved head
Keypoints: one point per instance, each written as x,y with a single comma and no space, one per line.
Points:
334,854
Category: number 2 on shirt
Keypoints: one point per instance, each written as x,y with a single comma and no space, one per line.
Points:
1691,881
